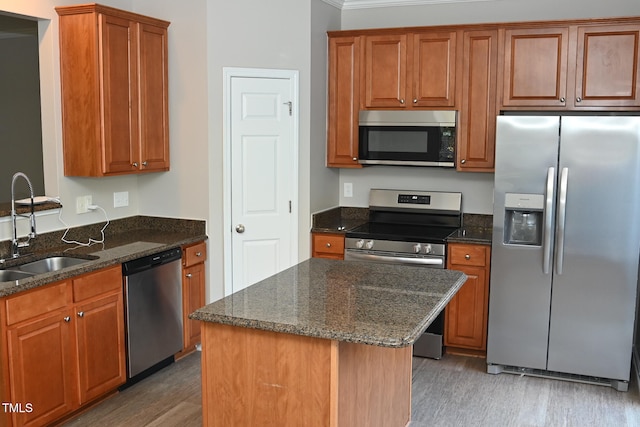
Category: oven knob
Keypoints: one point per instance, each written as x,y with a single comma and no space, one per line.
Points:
427,249
360,244
369,244
417,247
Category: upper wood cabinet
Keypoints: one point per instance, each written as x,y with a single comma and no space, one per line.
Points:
607,66
572,67
409,70
535,67
343,102
114,91
476,117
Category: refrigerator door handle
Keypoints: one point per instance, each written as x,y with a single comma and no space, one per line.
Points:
548,217
562,215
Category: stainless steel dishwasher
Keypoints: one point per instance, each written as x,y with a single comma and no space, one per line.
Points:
153,310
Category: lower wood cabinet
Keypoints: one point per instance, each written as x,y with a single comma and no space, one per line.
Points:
65,346
193,293
327,245
467,313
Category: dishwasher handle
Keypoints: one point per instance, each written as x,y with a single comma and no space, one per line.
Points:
150,261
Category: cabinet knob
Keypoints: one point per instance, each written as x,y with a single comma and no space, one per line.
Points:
134,164
562,99
328,245
67,319
402,101
145,163
415,101
467,257
463,161
198,254
578,99
355,159
189,275
81,314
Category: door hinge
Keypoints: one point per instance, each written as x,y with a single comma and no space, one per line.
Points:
290,104
289,206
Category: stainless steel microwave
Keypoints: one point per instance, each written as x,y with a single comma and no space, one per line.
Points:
408,138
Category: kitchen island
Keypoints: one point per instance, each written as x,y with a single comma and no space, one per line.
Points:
323,343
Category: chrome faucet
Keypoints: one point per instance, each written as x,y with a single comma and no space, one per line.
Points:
15,245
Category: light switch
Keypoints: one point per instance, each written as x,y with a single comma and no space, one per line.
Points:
348,189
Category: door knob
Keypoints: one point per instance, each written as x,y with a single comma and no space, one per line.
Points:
240,228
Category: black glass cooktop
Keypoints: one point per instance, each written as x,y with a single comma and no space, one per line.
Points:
401,232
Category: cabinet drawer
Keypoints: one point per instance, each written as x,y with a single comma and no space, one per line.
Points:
100,282
40,301
328,244
475,255
195,254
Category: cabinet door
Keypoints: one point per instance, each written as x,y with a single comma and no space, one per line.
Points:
434,70
119,94
385,71
154,113
193,295
344,102
607,66
465,315
535,67
477,116
42,368
101,348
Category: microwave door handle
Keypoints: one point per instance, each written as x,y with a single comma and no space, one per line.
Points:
562,215
548,218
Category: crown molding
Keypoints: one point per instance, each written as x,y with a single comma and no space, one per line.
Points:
366,4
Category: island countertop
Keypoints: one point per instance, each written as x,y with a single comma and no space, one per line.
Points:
385,305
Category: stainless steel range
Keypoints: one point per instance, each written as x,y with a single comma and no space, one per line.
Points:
409,227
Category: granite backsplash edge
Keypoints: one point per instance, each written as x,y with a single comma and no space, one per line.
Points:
53,240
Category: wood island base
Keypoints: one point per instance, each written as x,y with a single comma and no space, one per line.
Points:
253,378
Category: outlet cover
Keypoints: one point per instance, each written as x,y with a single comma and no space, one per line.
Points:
120,199
83,203
348,189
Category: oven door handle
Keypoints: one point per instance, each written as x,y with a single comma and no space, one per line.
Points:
436,262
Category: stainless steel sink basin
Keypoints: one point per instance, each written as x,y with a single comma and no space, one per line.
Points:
47,265
11,275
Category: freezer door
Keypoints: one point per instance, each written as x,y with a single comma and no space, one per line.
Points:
520,293
594,284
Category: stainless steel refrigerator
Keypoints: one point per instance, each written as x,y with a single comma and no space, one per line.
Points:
566,238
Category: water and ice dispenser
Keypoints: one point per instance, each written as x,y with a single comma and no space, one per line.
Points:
523,219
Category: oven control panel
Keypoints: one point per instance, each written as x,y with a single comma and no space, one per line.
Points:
414,199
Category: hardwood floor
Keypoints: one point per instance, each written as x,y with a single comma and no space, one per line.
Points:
454,391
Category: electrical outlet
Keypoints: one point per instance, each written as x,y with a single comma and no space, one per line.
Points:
348,189
120,199
82,204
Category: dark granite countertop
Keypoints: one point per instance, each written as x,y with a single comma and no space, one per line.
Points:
471,235
339,220
369,303
125,239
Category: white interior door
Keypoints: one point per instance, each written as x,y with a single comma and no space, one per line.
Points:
263,176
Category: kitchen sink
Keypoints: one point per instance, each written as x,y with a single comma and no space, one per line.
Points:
47,265
11,275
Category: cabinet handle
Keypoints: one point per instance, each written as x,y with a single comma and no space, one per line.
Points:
145,163
562,99
463,161
467,257
328,245
134,164
402,101
67,319
578,99
198,254
415,101
355,159
189,275
81,314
